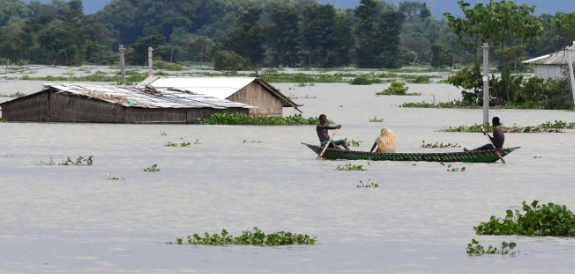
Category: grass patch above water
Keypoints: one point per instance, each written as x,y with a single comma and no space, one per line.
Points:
225,118
350,167
254,237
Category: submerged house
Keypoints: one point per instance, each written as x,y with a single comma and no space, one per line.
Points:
247,90
81,103
551,65
170,100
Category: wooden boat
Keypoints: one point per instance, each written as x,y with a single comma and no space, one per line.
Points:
483,156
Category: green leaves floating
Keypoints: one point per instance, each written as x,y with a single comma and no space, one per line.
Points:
538,220
474,248
224,118
255,237
350,167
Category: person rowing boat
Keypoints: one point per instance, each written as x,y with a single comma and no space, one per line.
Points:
498,137
323,136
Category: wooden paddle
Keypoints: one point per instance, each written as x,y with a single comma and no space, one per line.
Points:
326,145
496,151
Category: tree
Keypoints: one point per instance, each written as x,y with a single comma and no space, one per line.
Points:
247,39
283,34
141,47
506,21
12,42
199,48
365,32
440,55
229,60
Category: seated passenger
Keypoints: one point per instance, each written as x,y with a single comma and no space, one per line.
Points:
385,142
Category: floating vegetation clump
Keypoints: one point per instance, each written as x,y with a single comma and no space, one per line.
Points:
455,169
255,237
439,145
354,143
474,248
419,80
350,167
170,144
367,184
225,118
253,142
153,168
163,134
112,178
3,120
291,96
552,127
397,88
537,220
365,80
81,161
185,144
375,120
433,105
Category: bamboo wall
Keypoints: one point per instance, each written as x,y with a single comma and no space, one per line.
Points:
28,109
255,94
51,107
76,109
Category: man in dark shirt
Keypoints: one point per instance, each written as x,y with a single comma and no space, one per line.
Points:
498,138
322,129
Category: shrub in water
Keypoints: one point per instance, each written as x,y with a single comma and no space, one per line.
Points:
255,237
225,118
538,220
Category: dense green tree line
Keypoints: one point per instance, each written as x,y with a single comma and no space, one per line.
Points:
239,34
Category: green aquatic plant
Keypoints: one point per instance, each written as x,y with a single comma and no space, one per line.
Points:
153,168
170,144
350,167
365,80
375,120
81,161
254,237
253,142
454,169
185,144
3,120
163,133
420,79
354,143
397,88
197,142
537,220
225,118
111,178
367,184
439,145
474,248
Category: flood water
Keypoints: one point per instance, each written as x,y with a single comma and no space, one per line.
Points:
70,219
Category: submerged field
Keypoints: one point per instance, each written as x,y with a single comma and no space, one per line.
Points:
73,219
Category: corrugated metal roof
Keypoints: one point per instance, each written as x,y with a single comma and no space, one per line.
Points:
221,87
557,58
147,97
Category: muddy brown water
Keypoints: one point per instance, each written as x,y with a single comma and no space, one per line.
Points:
70,219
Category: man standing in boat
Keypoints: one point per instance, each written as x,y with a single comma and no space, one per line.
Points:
323,136
498,138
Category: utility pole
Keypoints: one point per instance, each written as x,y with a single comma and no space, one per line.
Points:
150,61
123,64
571,77
485,84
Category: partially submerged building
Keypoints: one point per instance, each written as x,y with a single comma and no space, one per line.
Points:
552,65
170,100
247,90
81,103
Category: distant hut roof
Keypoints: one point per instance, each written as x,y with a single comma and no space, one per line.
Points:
219,87
146,97
557,58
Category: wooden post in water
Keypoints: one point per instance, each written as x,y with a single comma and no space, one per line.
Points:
150,61
123,64
571,77
485,84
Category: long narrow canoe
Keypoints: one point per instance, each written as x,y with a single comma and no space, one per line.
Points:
483,156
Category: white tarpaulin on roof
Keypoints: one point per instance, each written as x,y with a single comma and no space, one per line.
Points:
139,97
221,87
